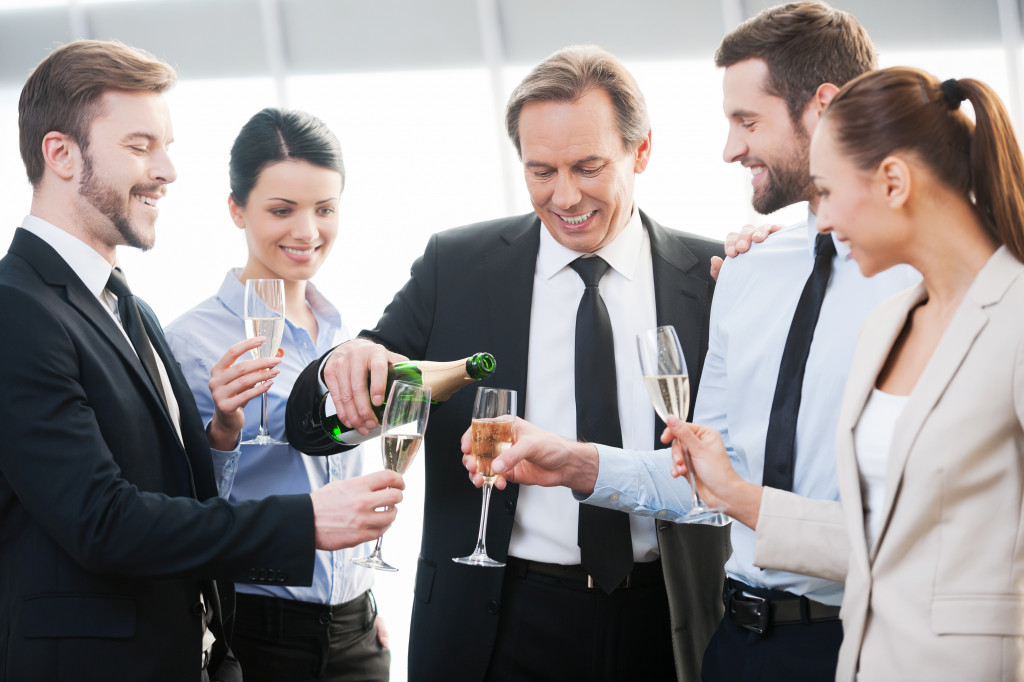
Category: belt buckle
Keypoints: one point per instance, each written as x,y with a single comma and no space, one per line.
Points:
625,583
757,606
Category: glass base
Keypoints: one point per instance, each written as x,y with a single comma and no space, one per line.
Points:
263,440
478,559
706,516
375,563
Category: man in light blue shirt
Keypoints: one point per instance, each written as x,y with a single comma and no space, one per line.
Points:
778,626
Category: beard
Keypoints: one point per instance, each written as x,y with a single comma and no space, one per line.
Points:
112,206
789,179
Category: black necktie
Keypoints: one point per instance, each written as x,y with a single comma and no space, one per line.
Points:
131,321
779,447
606,550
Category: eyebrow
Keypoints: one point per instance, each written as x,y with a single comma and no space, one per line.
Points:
588,159
295,203
742,113
152,137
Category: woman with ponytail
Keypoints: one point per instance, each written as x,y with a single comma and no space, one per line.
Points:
930,436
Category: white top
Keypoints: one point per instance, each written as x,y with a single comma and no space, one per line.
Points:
546,518
872,441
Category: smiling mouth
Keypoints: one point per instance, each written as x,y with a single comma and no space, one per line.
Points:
148,201
300,252
576,220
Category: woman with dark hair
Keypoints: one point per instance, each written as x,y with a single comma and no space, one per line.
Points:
286,179
931,433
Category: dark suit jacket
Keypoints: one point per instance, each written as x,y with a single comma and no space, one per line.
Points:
109,528
472,291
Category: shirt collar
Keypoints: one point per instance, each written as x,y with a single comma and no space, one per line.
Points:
622,253
842,249
92,268
232,293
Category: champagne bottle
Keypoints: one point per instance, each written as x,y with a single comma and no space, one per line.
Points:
444,379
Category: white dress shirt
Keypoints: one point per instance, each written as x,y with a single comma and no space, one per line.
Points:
546,519
753,307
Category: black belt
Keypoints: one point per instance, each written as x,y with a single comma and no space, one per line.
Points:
756,608
576,577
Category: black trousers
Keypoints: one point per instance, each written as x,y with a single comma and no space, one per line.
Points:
551,629
282,640
794,652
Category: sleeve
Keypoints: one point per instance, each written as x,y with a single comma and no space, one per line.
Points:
59,464
404,328
801,535
639,483
195,366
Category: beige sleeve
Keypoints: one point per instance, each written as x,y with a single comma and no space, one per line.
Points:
801,535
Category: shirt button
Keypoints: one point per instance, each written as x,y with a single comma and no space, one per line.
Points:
613,497
493,607
510,506
662,513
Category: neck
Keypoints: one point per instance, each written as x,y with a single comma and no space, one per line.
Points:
63,212
949,251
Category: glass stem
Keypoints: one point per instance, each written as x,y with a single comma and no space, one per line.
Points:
695,500
263,415
376,549
481,542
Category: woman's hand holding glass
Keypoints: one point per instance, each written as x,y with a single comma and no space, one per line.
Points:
233,384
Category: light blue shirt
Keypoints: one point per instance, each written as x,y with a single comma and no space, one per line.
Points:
199,338
753,307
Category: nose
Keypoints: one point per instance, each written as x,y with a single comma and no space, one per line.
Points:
163,170
567,192
823,220
735,146
304,226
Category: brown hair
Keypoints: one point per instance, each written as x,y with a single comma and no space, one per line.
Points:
804,44
571,73
903,109
63,92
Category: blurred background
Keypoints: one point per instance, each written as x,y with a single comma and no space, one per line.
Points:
415,90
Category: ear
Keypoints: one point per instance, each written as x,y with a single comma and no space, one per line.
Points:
643,154
895,181
60,154
816,105
237,213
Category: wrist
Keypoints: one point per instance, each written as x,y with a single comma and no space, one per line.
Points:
220,437
581,474
741,501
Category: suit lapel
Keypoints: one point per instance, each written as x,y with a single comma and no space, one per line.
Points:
510,269
55,271
680,300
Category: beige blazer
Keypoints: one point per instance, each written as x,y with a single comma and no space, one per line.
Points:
940,595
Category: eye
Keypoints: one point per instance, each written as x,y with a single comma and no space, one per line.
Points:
139,149
749,125
543,174
590,171
280,212
325,211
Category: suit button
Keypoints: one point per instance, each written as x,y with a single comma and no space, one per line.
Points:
253,574
263,574
282,576
510,506
493,607
325,618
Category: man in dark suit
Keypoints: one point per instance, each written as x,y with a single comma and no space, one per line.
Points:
508,286
111,530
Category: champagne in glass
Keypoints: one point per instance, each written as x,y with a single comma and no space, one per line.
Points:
264,316
668,385
403,426
494,413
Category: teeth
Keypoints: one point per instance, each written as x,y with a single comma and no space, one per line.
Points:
146,200
576,220
300,252
757,170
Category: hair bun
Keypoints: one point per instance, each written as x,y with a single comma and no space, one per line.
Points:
953,94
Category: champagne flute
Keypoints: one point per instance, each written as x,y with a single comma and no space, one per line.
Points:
264,316
402,429
494,413
668,385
